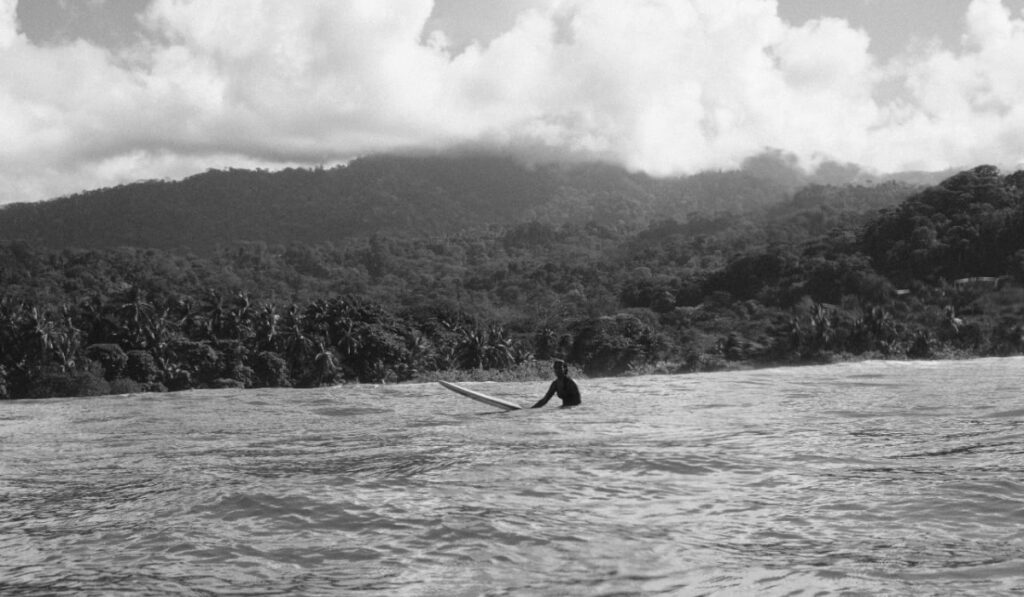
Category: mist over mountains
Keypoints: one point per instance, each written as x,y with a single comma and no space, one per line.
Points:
401,195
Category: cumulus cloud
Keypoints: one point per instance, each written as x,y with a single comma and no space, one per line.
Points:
663,86
8,28
965,104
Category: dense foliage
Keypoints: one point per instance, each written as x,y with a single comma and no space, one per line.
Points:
820,275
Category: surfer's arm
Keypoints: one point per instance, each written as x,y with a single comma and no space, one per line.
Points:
544,400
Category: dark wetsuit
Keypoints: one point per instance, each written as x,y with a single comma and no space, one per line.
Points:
566,389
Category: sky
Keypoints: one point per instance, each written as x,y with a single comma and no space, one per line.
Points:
96,93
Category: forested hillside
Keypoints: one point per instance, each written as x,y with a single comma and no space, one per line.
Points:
819,276
401,196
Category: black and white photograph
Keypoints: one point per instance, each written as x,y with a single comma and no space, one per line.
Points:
511,298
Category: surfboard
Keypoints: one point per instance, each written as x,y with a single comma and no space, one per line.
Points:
480,397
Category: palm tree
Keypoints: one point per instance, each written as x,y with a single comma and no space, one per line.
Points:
349,337
293,342
522,354
38,333
447,356
238,320
473,348
822,330
66,345
316,320
214,313
500,348
546,342
418,351
158,337
878,329
134,313
324,367
188,319
265,327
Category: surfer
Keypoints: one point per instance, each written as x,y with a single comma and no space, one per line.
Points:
563,385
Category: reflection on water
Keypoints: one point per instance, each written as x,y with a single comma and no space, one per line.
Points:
870,478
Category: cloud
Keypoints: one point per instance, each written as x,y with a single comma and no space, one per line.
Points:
663,86
8,25
966,104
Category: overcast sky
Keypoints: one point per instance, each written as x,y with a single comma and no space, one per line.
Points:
100,92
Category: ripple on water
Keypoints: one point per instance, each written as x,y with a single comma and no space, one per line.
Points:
863,478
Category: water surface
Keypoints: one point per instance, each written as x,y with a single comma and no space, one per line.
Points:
868,478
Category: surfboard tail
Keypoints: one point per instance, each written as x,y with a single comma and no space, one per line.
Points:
481,397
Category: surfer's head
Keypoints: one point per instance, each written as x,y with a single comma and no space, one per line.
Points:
560,366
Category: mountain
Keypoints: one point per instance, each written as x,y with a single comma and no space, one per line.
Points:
387,194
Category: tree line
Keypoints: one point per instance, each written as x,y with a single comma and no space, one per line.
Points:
832,272
426,195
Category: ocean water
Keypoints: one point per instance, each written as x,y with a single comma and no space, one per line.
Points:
870,478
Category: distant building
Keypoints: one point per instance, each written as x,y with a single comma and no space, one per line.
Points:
981,282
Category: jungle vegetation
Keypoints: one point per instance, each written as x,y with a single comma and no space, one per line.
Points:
629,280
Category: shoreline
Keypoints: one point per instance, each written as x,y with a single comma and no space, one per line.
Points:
537,371
674,368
